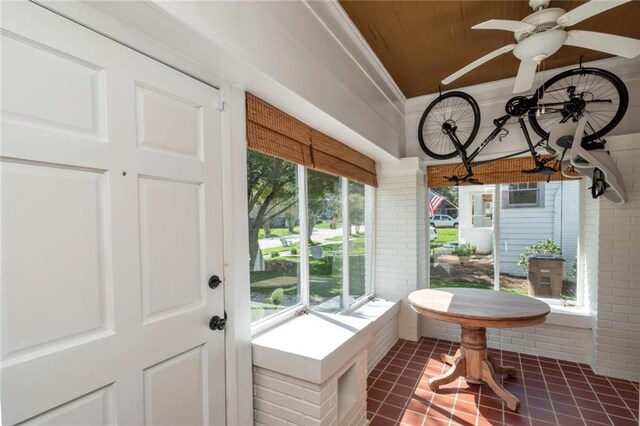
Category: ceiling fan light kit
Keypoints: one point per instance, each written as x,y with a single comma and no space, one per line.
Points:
538,47
542,33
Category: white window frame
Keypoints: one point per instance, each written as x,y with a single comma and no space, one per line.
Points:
511,205
347,305
580,302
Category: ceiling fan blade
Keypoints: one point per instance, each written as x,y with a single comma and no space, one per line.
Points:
478,62
526,74
587,10
608,43
504,24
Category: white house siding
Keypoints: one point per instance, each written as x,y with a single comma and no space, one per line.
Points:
567,230
557,219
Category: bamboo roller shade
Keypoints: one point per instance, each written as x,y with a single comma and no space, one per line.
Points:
508,170
274,132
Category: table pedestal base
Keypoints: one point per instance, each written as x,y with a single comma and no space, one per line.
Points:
473,363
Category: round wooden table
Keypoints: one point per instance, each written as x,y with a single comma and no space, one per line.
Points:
476,310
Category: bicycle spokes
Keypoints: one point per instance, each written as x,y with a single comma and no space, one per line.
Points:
595,94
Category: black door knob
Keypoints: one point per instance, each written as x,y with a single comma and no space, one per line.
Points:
217,323
214,281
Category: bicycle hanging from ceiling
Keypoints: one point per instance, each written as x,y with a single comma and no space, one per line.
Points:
450,123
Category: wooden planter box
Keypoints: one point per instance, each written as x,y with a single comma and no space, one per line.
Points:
545,277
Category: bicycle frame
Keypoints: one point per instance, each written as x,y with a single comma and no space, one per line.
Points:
467,160
521,108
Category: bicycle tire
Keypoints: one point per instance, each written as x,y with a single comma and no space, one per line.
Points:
617,83
428,146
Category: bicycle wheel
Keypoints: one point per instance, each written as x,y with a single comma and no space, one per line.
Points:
461,112
587,92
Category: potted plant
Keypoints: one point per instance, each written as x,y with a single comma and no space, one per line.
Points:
543,265
464,252
544,247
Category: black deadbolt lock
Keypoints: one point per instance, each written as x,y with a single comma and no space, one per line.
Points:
214,281
217,323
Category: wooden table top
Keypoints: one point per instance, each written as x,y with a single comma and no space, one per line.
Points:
479,308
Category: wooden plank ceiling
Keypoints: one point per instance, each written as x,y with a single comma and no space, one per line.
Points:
422,42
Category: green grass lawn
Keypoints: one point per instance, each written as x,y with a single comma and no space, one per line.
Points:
268,251
326,224
445,235
339,237
279,232
325,277
358,244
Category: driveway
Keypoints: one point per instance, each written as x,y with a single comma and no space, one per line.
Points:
319,236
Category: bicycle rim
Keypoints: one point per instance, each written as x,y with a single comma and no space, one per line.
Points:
595,87
458,109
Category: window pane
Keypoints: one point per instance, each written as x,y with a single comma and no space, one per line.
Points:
325,241
359,240
274,240
538,247
523,195
460,249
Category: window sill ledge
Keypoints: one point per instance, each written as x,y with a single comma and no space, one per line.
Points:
313,347
569,317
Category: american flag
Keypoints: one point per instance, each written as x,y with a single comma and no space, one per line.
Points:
434,201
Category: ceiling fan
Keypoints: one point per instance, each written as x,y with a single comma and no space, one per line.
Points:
542,33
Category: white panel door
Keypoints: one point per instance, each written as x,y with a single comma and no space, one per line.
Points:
110,229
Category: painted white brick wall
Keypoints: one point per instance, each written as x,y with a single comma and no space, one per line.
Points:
401,239
617,302
552,341
280,399
381,342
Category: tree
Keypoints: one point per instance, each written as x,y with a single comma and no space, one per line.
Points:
449,193
356,211
323,193
271,191
291,216
356,205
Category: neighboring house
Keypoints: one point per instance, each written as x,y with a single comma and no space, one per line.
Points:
529,212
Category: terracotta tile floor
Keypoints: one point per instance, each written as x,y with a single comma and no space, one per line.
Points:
551,392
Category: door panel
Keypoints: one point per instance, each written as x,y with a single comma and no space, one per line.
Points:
45,207
168,123
72,104
95,408
171,247
111,226
174,391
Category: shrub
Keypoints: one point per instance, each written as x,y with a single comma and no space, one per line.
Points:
465,249
573,272
294,251
547,246
275,254
276,297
